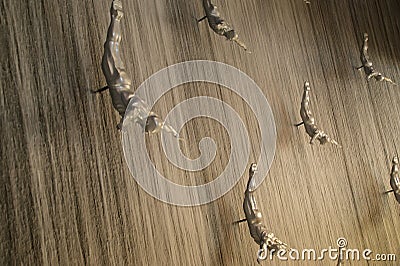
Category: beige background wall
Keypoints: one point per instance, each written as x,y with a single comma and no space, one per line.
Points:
66,195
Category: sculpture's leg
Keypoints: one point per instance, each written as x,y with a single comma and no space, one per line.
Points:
112,64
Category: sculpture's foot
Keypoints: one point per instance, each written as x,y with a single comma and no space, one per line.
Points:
116,10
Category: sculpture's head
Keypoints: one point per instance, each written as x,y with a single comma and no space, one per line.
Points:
153,124
253,168
324,139
230,35
379,77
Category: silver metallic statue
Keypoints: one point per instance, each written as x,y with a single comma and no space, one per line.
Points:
367,64
309,121
218,25
258,231
119,83
395,179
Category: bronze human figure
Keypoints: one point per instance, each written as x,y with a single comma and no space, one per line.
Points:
309,121
119,83
258,231
367,64
218,25
395,179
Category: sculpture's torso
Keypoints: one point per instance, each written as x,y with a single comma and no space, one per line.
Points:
395,181
217,24
254,218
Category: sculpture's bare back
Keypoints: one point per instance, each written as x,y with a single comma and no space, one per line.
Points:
219,25
119,83
395,179
366,62
309,121
118,80
258,231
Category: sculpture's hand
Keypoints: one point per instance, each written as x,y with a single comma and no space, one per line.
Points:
241,44
335,142
390,81
116,10
170,129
